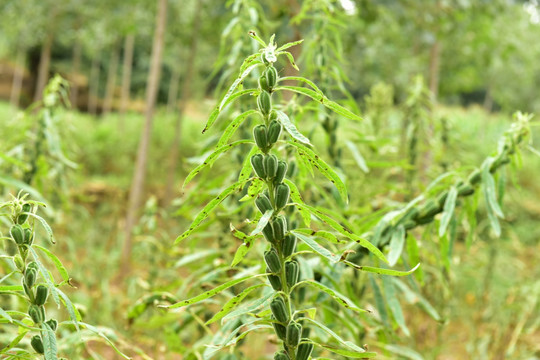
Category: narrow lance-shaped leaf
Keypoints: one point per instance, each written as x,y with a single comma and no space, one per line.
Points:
288,45
291,128
317,248
448,211
211,159
49,342
323,167
341,299
357,156
396,245
217,110
263,221
201,216
243,249
381,271
233,303
233,126
254,189
45,226
235,84
57,263
490,194
393,304
295,196
210,293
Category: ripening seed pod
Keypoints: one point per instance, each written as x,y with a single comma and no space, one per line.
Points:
37,344
53,324
19,262
268,233
304,350
30,275
263,203
21,219
35,314
270,166
279,227
274,130
465,190
28,236
280,330
275,281
258,166
271,76
281,355
292,272
263,84
271,258
291,171
264,102
429,209
294,331
409,224
17,233
33,265
41,295
279,309
282,195
475,177
259,134
280,173
442,198
289,245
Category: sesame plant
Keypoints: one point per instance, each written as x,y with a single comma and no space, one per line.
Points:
283,221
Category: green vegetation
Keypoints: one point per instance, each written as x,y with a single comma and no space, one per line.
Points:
364,186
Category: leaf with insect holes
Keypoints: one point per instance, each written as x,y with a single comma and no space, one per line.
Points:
233,303
324,252
217,110
233,126
291,129
210,293
341,299
243,249
235,84
295,196
254,189
203,214
288,45
323,167
245,173
211,159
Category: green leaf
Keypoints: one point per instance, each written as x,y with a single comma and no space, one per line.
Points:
233,126
211,159
102,335
242,249
379,301
233,303
45,226
5,315
4,288
289,44
14,342
290,57
396,245
448,210
251,307
319,97
320,234
394,305
323,167
341,299
49,342
201,216
255,188
59,266
346,232
488,184
245,173
414,256
295,196
217,110
263,221
357,156
47,276
235,84
210,293
317,248
381,271
74,314
291,128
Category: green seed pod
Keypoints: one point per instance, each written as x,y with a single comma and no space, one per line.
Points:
259,134
17,233
35,314
281,355
411,214
270,165
279,227
263,84
282,195
264,102
429,209
304,350
279,309
21,219
30,276
268,233
273,116
409,224
289,245
53,324
275,281
280,173
28,291
465,190
271,258
28,236
294,331
292,272
263,203
33,265
41,295
258,166
280,330
271,76
291,171
19,262
264,59
37,344
475,177
274,130
442,198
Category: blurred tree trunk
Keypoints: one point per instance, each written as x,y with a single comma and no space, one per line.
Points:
127,65
137,185
434,65
93,83
77,53
111,78
44,64
184,97
173,89
18,76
